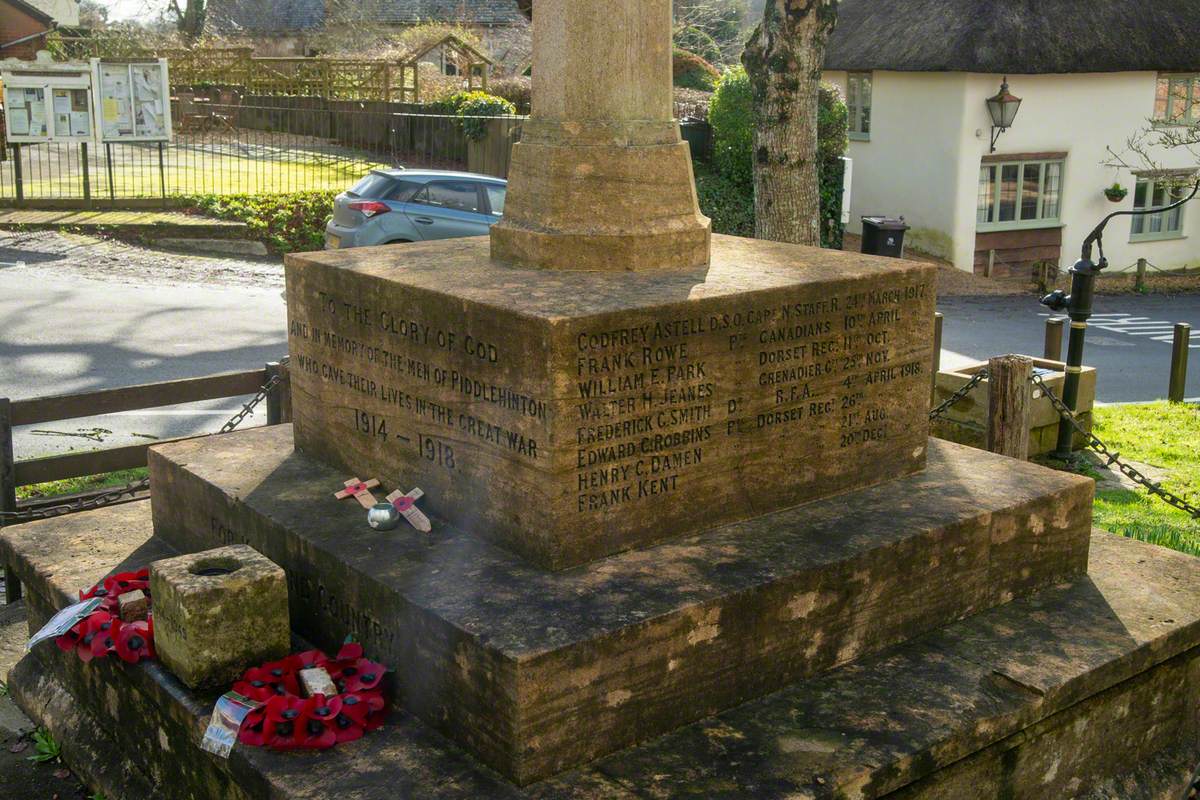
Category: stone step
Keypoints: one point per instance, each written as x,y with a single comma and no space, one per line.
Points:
513,661
1060,694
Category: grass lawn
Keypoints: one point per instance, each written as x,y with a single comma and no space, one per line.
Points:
1166,435
72,485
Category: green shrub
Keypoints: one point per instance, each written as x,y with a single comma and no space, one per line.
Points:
690,71
727,204
731,115
286,223
695,40
473,104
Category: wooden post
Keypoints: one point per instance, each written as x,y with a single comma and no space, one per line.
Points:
8,491
1179,362
1009,400
1140,284
937,352
18,179
1052,349
991,264
279,398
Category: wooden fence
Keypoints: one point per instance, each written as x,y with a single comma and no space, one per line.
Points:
14,473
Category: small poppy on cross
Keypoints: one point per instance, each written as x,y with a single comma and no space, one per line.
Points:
359,490
406,504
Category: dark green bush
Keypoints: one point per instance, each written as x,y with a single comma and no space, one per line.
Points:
473,104
286,223
731,115
727,204
516,89
693,72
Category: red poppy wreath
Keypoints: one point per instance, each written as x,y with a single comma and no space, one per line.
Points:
102,632
287,721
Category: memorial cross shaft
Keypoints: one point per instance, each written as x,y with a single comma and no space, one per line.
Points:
601,179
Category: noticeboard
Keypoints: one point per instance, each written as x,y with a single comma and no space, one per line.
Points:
133,100
47,106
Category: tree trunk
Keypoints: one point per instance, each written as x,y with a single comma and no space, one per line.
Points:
784,58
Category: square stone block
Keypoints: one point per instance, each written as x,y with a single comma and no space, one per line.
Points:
570,415
219,612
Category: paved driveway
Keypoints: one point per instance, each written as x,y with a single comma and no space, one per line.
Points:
84,314
1128,341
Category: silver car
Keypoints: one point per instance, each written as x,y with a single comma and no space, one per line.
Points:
399,205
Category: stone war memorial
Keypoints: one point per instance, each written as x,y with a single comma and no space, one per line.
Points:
670,523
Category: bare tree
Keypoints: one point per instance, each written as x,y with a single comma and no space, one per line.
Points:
190,18
784,58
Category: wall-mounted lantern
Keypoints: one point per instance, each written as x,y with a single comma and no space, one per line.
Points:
1003,108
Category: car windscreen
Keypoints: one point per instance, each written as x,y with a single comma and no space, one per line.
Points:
374,186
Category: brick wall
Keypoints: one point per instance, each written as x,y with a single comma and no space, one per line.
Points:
15,23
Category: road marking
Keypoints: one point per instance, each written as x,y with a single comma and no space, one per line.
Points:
1156,330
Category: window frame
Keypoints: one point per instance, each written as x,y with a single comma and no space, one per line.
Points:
854,111
1038,223
480,196
1146,235
1191,111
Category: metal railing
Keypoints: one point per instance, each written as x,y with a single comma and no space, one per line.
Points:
263,145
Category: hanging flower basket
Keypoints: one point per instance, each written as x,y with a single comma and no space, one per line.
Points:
1116,193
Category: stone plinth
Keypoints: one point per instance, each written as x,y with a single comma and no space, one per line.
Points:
513,662
1024,699
601,179
966,421
217,613
571,415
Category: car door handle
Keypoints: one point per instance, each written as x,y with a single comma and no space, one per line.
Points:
423,220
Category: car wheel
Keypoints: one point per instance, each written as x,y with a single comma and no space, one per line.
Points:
399,241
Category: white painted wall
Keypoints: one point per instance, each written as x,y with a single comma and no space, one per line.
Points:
64,12
929,131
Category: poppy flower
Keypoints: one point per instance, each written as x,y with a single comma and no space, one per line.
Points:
253,730
123,582
104,640
134,642
96,628
346,728
255,688
359,675
349,652
282,730
317,717
69,640
309,658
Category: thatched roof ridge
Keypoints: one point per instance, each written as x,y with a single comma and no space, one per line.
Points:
1019,37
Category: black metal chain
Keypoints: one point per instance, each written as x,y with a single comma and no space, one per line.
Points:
962,392
133,487
1110,458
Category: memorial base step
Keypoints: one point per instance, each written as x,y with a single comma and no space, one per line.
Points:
512,660
1087,688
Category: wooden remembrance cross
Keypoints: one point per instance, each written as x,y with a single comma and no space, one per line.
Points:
405,503
360,491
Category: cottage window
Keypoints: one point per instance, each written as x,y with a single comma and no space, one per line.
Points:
1177,99
858,104
1019,194
1156,192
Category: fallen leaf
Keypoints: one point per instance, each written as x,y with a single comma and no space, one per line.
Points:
62,773
18,747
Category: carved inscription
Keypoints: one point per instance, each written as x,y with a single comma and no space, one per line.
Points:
573,435
656,399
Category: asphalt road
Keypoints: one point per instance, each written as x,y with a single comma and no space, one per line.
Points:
1128,340
61,332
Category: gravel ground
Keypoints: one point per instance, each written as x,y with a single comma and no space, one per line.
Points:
110,259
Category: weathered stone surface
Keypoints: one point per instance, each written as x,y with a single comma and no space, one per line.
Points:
571,415
218,613
514,661
600,179
940,717
966,421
